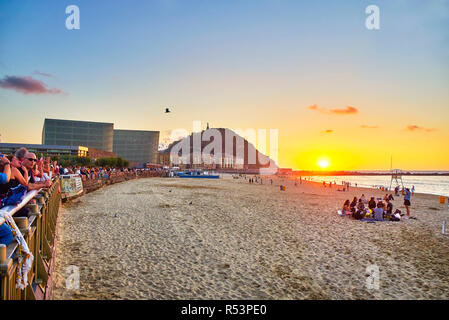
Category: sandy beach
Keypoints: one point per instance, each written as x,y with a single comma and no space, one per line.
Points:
226,239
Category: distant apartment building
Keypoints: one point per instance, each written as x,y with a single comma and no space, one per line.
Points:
54,150
98,135
136,146
49,150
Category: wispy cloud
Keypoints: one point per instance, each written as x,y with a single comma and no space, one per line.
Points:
418,128
313,107
347,110
328,131
26,85
43,74
364,126
344,111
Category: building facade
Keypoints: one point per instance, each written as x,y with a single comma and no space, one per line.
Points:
50,150
136,146
98,135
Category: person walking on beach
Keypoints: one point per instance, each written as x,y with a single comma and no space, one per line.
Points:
407,203
413,190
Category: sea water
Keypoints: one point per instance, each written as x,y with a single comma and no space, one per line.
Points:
438,185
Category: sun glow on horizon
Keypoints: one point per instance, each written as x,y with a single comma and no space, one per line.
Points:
323,163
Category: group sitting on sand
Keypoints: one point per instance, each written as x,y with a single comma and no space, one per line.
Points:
376,210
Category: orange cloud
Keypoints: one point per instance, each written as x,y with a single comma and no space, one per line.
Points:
314,107
347,110
328,131
418,128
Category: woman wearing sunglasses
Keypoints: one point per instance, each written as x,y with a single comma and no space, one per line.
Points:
19,175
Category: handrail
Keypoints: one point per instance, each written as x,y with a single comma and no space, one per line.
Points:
40,233
36,234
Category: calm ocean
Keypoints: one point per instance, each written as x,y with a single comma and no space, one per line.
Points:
423,184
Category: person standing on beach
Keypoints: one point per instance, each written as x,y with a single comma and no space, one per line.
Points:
407,203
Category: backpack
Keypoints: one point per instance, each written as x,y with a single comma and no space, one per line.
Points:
14,196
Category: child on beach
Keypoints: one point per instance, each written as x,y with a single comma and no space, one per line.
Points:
359,213
346,207
379,212
407,203
363,199
372,203
389,209
354,204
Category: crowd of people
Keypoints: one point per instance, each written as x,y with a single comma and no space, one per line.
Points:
377,209
23,171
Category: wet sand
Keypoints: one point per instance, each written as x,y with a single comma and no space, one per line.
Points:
225,239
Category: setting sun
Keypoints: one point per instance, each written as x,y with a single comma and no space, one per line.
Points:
323,163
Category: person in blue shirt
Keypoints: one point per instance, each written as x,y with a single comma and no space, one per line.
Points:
5,169
407,203
6,235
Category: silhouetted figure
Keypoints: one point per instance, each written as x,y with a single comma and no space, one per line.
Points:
167,110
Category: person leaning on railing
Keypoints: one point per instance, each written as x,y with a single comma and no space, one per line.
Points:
6,235
19,175
5,169
29,163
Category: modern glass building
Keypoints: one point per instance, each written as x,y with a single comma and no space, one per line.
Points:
136,146
98,135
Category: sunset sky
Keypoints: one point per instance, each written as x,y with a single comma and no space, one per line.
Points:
334,89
